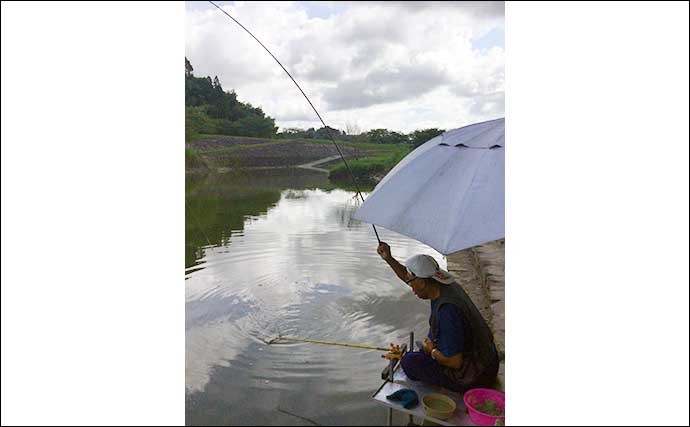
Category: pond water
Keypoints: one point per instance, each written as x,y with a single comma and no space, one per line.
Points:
279,252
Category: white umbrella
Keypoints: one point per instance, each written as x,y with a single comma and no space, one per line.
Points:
448,193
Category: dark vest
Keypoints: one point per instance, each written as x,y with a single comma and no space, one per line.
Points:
479,349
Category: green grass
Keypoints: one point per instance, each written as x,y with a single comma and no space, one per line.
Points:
364,169
360,145
364,187
217,135
193,160
382,148
376,158
239,147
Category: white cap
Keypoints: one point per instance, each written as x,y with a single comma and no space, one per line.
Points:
425,266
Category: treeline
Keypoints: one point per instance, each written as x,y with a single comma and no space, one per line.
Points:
374,136
211,110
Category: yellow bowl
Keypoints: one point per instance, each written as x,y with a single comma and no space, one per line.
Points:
438,406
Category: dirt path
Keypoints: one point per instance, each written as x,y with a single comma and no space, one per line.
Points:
312,165
309,166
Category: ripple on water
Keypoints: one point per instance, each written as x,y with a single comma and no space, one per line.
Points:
304,268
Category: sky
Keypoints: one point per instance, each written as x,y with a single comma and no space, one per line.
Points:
364,65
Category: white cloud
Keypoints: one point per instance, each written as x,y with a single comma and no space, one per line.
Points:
402,66
385,85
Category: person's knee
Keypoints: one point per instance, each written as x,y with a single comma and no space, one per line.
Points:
407,360
410,363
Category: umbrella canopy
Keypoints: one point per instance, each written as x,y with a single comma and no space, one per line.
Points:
448,193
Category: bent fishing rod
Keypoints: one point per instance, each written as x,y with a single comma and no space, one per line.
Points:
328,130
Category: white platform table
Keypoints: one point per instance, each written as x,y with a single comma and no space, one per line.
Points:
400,381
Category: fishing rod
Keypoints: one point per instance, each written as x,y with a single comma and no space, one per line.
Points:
394,351
366,347
328,130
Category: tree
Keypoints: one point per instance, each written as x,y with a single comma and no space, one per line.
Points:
322,133
419,137
211,110
352,129
188,69
385,136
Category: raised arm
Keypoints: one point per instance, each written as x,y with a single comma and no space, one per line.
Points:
385,252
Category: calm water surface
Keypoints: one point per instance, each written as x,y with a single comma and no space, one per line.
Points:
279,252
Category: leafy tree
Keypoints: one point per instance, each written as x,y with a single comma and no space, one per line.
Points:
419,137
311,133
210,110
322,133
188,69
198,121
222,112
384,136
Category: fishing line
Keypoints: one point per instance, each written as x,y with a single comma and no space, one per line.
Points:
328,130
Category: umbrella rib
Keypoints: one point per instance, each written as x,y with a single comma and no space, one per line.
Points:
479,133
473,138
497,139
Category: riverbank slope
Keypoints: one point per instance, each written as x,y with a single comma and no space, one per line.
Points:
221,152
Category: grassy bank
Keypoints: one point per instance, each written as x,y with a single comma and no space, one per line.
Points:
366,146
193,161
221,151
368,170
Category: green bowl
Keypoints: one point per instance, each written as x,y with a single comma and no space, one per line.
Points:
438,406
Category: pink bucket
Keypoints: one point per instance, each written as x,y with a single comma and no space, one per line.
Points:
475,397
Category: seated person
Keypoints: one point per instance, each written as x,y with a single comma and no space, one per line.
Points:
459,351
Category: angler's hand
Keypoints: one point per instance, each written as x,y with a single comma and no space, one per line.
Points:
394,353
384,251
428,346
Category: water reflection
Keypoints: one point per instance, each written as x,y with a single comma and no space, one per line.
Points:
217,205
287,257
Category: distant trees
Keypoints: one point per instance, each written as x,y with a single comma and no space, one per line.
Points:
384,136
322,133
188,69
211,110
352,128
419,137
198,121
374,136
311,133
